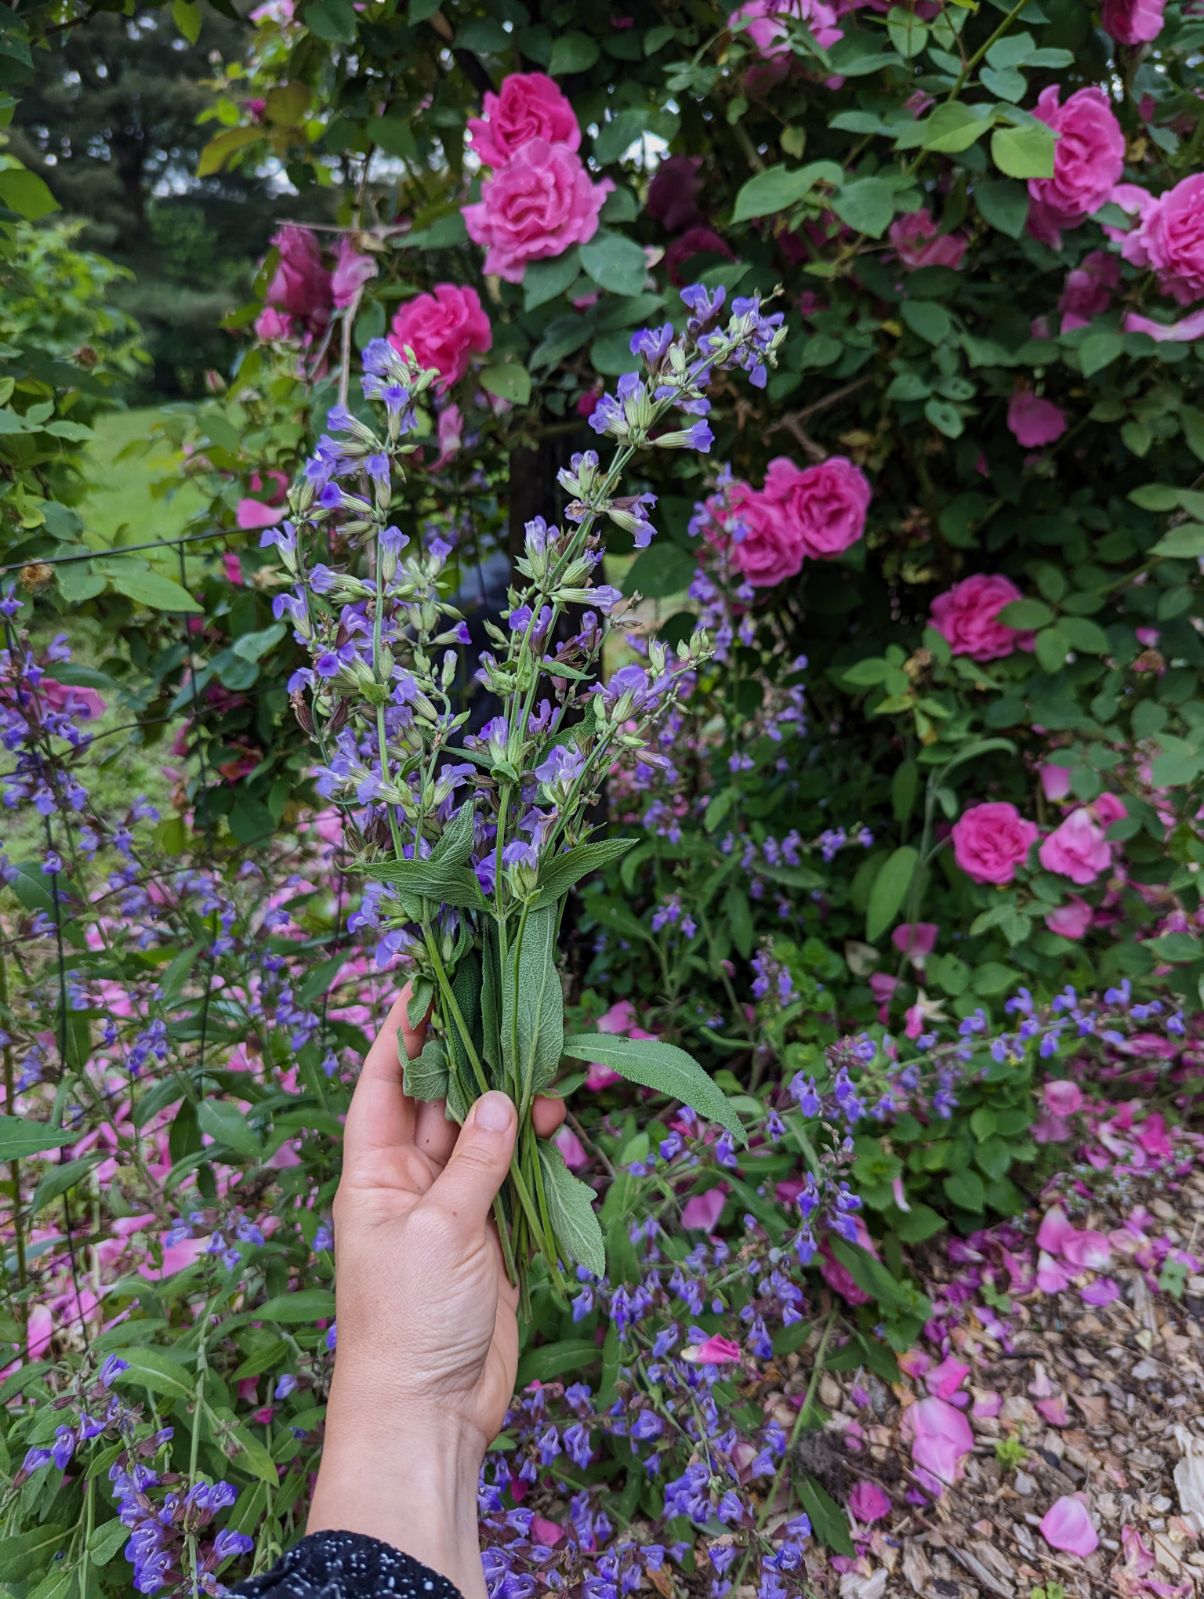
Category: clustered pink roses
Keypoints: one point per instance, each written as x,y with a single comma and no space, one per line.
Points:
303,291
992,841
539,201
1089,157
967,616
1034,421
919,243
443,329
530,106
1169,236
1077,848
1132,21
767,24
807,513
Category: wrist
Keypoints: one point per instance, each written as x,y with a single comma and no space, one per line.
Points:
409,1479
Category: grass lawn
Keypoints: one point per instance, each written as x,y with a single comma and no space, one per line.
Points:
120,508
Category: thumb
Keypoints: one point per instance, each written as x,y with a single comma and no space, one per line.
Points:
466,1186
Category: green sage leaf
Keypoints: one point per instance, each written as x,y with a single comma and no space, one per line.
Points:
491,1009
455,844
19,1137
565,870
426,1076
533,1005
890,890
422,993
466,989
653,1064
442,881
575,1224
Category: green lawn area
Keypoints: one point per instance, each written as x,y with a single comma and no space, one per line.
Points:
120,507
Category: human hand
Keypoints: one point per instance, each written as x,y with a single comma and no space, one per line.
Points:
428,1332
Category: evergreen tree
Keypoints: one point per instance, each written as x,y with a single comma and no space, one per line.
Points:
110,122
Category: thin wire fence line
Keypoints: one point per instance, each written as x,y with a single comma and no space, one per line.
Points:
123,549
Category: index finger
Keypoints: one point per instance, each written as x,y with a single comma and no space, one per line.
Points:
380,1116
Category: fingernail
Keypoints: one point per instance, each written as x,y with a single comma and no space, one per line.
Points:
494,1113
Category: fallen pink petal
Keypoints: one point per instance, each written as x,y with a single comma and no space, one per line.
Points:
1067,1526
940,1437
868,1502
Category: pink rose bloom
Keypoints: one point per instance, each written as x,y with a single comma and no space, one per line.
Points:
1109,808
916,939
351,271
1055,780
301,284
1077,848
1034,421
232,566
529,106
967,616
1089,157
1172,234
991,840
443,329
940,1437
695,241
1067,1525
770,33
763,544
703,1210
271,325
673,193
919,243
538,205
826,503
1072,919
1132,21
1087,292
1062,1097
868,1503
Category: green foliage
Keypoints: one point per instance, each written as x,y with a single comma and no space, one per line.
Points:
67,356
805,824
110,127
663,1067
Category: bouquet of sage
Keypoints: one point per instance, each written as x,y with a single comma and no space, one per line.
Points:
470,843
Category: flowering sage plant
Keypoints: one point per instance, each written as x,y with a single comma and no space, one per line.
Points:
470,842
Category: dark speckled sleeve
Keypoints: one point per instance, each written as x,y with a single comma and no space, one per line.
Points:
346,1565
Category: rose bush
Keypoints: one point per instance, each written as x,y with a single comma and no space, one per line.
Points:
940,783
